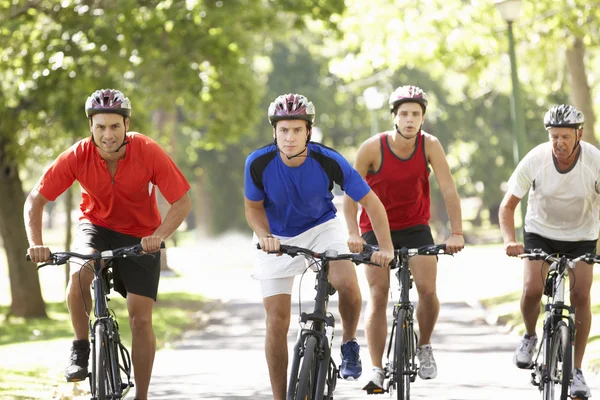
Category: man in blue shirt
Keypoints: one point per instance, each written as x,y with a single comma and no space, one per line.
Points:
288,200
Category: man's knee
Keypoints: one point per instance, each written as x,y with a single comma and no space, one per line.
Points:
140,323
580,300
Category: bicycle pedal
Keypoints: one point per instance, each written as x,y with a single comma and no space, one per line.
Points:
371,388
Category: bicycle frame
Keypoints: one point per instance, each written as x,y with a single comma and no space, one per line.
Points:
111,341
405,281
322,328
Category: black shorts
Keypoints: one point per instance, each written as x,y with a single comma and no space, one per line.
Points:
413,237
550,246
137,275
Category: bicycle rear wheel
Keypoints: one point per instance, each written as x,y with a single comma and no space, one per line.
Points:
402,363
306,387
559,364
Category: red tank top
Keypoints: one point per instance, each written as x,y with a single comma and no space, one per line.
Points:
402,185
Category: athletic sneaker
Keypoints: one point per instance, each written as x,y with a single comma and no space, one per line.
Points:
78,367
351,367
579,388
427,365
523,357
375,380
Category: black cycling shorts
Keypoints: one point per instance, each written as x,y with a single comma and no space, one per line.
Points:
137,275
413,237
550,246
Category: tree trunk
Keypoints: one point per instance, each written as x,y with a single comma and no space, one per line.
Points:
26,293
68,225
582,96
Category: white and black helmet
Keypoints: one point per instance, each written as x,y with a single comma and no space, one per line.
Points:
564,116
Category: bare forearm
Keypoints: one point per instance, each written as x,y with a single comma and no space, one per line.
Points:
350,212
506,218
257,220
381,226
32,215
177,213
453,209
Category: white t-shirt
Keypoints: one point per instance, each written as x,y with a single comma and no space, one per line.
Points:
562,205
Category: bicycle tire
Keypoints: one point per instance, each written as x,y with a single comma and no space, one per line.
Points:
306,381
99,378
402,356
558,362
114,372
322,373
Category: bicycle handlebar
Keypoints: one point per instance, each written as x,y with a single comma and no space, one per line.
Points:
62,257
539,254
428,250
328,255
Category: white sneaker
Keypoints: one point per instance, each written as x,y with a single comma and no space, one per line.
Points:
523,357
375,384
579,388
427,365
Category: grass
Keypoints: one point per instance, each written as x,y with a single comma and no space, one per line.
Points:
33,353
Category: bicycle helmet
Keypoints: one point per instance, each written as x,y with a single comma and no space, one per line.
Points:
107,101
564,115
408,94
291,106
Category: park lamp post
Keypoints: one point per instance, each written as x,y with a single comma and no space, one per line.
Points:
373,102
510,11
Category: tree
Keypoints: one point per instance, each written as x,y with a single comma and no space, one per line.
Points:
201,58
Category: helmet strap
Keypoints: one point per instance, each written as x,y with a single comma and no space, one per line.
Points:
400,133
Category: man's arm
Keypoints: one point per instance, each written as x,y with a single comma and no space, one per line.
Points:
361,165
256,217
506,216
32,215
437,159
381,227
177,212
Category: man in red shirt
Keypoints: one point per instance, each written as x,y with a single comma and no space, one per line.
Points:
396,166
118,172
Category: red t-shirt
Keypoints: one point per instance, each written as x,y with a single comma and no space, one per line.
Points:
127,202
402,185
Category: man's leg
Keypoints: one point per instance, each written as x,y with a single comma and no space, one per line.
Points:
376,314
580,299
79,303
143,346
277,309
424,271
342,275
534,279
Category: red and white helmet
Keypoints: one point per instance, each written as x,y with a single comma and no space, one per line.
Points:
107,101
291,106
408,94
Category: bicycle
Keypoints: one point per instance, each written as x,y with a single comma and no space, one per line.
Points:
557,344
110,376
313,375
401,368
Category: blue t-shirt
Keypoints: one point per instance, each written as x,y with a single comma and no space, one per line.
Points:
299,198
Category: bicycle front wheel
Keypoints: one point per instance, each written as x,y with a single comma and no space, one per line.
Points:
100,376
559,364
307,379
402,358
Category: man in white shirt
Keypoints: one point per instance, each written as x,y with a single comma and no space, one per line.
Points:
562,177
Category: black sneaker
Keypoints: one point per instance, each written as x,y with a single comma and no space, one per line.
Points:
78,367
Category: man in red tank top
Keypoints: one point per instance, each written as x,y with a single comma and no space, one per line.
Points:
396,166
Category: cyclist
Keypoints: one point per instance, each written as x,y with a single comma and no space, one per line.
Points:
288,200
562,177
118,172
396,166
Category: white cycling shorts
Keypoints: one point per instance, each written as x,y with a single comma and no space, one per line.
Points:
330,235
